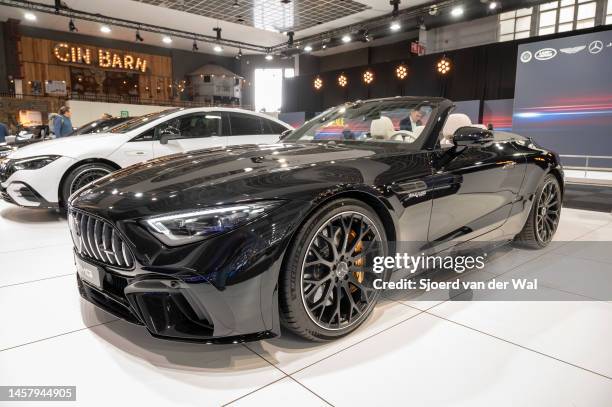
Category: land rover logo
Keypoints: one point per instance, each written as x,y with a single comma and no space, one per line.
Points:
526,56
545,54
595,47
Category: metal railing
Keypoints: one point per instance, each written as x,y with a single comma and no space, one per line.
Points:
587,169
108,98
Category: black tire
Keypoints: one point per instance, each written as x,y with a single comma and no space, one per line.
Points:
81,176
541,224
332,282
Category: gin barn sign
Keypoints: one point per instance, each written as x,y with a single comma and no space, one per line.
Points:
102,58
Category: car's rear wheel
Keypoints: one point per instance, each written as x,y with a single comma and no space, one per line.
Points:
81,176
544,216
325,291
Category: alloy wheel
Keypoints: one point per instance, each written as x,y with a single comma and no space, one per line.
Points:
337,291
548,211
87,176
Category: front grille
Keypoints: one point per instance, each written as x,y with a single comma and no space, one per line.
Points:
98,240
6,169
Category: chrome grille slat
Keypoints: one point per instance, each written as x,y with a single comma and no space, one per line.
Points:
90,239
100,241
126,257
106,238
83,226
116,248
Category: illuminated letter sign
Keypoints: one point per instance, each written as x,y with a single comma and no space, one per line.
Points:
105,58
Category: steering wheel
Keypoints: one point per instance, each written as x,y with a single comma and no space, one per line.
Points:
406,135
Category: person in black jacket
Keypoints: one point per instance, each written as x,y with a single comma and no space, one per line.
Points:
413,120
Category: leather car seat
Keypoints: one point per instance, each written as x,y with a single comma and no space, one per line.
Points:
382,128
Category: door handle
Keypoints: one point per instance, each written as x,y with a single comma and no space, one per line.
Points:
135,153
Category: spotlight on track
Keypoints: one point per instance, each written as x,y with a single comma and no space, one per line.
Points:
308,48
138,36
269,57
444,66
290,34
72,26
395,4
433,10
364,35
194,46
239,54
217,30
30,16
105,29
346,38
166,40
395,26
218,48
493,5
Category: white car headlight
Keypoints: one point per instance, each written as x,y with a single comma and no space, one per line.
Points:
33,163
192,226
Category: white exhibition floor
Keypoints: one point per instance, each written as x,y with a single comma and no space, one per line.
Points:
417,353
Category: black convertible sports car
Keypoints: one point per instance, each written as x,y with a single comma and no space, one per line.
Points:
227,244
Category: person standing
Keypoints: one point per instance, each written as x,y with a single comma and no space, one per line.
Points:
3,132
62,125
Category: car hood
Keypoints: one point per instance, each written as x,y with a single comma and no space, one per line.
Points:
222,175
71,146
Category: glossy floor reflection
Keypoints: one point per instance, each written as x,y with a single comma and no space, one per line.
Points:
414,350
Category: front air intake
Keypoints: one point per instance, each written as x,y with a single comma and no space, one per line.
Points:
98,240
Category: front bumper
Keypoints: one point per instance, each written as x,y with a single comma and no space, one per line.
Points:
40,188
22,194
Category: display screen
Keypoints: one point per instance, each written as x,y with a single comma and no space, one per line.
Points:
563,94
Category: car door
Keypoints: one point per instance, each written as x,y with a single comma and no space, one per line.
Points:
474,188
249,129
138,149
190,132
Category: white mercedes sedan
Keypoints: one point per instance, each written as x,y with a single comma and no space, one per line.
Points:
45,174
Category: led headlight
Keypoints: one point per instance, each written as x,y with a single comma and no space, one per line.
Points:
187,227
33,163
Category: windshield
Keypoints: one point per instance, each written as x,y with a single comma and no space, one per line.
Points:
381,121
98,126
139,121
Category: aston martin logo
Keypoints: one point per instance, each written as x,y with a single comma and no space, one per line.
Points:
595,47
573,50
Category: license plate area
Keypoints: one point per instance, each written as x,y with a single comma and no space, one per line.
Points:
90,273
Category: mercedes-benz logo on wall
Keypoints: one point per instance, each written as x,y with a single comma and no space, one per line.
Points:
595,47
526,56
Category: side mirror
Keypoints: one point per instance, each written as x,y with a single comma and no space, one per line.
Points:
168,133
468,135
285,134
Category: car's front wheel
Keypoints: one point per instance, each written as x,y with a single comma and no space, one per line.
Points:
82,175
325,291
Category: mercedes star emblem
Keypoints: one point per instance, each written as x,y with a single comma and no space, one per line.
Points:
595,47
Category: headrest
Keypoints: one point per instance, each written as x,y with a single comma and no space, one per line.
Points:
381,128
453,122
